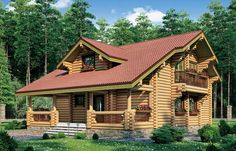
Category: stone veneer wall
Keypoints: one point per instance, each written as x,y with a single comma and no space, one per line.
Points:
119,134
2,112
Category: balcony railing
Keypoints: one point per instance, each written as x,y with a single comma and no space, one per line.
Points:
192,79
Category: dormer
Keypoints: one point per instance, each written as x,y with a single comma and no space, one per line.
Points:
90,56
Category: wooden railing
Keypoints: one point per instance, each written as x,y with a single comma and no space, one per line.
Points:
192,79
128,119
42,118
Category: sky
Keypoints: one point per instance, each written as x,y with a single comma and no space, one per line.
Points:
111,10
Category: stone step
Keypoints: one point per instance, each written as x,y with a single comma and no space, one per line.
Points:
67,128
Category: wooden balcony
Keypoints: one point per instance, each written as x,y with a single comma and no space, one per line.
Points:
42,118
192,79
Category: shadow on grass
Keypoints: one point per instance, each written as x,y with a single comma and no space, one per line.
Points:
147,146
42,145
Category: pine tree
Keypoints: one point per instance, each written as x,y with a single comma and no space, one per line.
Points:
122,32
143,28
102,34
77,22
6,91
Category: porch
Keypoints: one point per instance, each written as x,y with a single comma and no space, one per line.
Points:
113,109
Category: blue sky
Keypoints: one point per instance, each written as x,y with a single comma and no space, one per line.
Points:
114,9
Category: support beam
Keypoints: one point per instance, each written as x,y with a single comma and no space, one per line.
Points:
129,100
29,101
54,98
90,100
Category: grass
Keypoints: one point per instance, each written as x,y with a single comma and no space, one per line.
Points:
69,144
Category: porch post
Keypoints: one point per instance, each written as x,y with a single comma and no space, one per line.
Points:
54,102
90,100
129,100
30,102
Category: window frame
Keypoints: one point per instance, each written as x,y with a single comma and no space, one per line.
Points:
89,67
180,111
180,66
76,103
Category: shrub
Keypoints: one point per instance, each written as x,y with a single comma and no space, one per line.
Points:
211,147
229,138
61,135
12,125
167,134
231,146
54,136
23,124
233,129
45,136
29,148
7,142
208,134
3,146
95,136
224,128
80,135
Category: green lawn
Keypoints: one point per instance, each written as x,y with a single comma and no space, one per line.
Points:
70,144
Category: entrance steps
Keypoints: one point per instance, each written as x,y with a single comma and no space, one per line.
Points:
67,128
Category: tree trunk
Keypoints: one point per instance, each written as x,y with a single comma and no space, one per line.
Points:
221,96
229,87
46,47
215,100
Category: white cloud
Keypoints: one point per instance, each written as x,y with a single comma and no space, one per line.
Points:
10,8
113,11
60,4
154,15
32,2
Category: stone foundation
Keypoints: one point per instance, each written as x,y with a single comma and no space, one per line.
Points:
119,134
40,129
2,112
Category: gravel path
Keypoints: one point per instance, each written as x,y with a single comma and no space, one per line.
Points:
25,134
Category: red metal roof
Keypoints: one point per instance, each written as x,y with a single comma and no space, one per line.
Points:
140,58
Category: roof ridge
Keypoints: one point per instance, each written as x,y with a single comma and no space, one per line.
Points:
159,38
84,38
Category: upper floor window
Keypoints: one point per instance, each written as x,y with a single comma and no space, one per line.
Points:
88,62
192,65
180,66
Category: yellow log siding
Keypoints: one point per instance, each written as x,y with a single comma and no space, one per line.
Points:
164,95
79,112
63,105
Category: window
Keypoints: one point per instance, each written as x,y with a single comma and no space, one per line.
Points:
88,62
80,100
192,104
193,65
179,106
180,66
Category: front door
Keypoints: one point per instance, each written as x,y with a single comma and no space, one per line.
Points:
98,102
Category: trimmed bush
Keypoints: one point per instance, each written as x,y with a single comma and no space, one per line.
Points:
7,142
167,134
212,147
208,134
23,124
95,136
45,136
29,148
224,128
230,146
80,135
61,135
